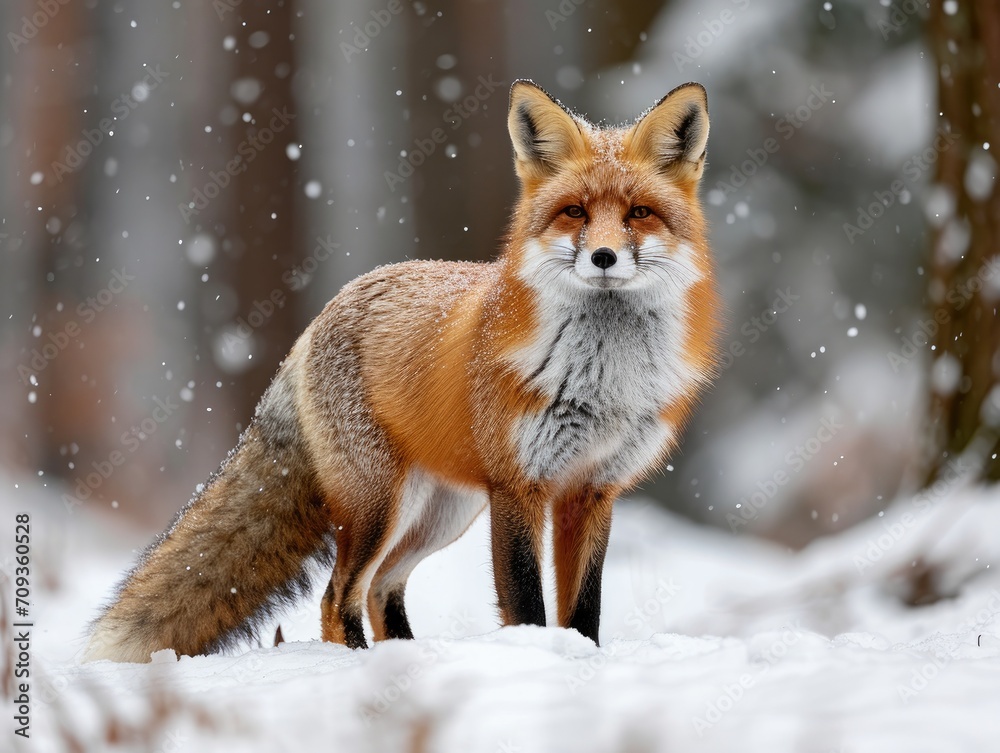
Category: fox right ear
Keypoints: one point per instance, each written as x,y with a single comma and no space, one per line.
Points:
672,136
544,134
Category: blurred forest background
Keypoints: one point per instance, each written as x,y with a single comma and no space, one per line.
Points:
152,281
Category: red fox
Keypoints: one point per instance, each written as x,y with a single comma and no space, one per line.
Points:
544,383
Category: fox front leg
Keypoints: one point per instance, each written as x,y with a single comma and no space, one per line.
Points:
581,524
517,521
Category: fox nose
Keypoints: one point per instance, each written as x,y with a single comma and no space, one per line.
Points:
603,257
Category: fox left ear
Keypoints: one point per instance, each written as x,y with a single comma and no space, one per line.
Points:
545,136
673,134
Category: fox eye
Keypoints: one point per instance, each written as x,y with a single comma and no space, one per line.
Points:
640,213
575,211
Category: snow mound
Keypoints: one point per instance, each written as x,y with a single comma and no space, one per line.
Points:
710,642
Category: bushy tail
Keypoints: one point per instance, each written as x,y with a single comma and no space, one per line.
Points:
236,552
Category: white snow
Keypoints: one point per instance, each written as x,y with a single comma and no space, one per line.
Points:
711,642
980,175
246,91
946,374
200,249
313,189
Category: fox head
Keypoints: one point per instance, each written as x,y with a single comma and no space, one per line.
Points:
609,208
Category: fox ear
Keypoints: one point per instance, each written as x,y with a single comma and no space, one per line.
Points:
544,134
673,134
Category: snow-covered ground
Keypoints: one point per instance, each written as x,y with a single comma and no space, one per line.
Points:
710,642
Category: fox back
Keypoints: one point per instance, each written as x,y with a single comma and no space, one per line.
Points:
543,384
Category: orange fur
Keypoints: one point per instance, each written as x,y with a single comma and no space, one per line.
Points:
548,381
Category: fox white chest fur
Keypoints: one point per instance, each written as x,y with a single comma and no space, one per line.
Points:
608,360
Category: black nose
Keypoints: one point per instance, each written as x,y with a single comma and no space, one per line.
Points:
604,258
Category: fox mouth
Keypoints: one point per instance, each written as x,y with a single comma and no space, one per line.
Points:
604,282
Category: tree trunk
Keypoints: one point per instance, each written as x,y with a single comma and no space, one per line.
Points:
965,216
255,219
458,99
55,407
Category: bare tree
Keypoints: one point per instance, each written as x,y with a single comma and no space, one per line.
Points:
259,227
458,99
964,281
44,246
